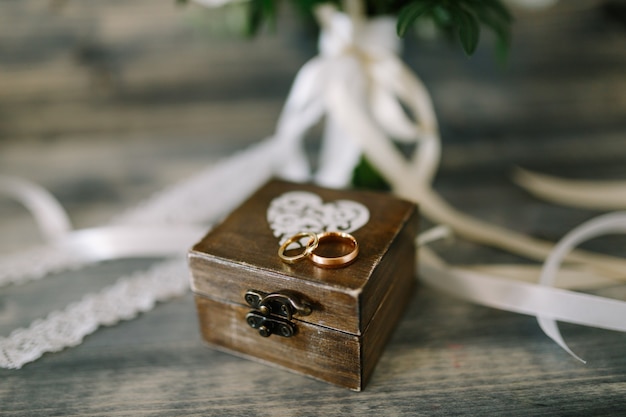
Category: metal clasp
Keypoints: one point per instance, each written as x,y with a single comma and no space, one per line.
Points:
272,312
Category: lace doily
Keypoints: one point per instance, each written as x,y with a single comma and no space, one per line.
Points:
300,211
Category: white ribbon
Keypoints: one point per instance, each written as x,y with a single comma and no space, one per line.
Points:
595,195
50,216
156,228
365,80
358,83
605,313
547,303
342,83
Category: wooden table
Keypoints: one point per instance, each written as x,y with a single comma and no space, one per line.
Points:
105,103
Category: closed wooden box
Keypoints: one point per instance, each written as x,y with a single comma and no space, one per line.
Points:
330,324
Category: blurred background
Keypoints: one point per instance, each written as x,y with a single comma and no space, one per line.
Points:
107,102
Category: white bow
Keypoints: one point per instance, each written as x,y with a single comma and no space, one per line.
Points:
358,84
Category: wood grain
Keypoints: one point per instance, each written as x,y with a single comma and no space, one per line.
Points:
102,146
354,309
240,254
316,351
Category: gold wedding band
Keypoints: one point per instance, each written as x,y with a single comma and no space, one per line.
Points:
339,261
311,245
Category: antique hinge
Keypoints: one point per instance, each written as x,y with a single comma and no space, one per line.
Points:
272,312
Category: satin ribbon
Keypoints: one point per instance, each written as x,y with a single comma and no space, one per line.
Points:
96,244
549,304
51,218
341,84
165,225
362,75
605,313
595,195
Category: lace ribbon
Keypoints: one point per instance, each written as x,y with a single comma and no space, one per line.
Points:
155,228
361,86
122,301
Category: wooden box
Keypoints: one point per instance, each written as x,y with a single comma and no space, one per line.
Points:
330,324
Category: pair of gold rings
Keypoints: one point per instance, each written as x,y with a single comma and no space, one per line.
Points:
314,242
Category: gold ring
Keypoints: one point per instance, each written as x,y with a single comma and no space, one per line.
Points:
311,245
339,261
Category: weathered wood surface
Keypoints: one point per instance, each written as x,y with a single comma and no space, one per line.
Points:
106,102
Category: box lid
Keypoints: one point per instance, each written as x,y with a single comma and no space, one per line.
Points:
241,253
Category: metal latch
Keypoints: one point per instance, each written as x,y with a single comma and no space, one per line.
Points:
272,312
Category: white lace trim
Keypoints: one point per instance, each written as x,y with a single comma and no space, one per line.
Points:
193,201
123,300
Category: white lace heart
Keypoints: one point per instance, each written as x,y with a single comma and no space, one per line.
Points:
301,211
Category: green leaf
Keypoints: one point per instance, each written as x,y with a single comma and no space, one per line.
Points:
410,13
468,28
441,16
258,12
500,25
503,38
454,18
366,176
